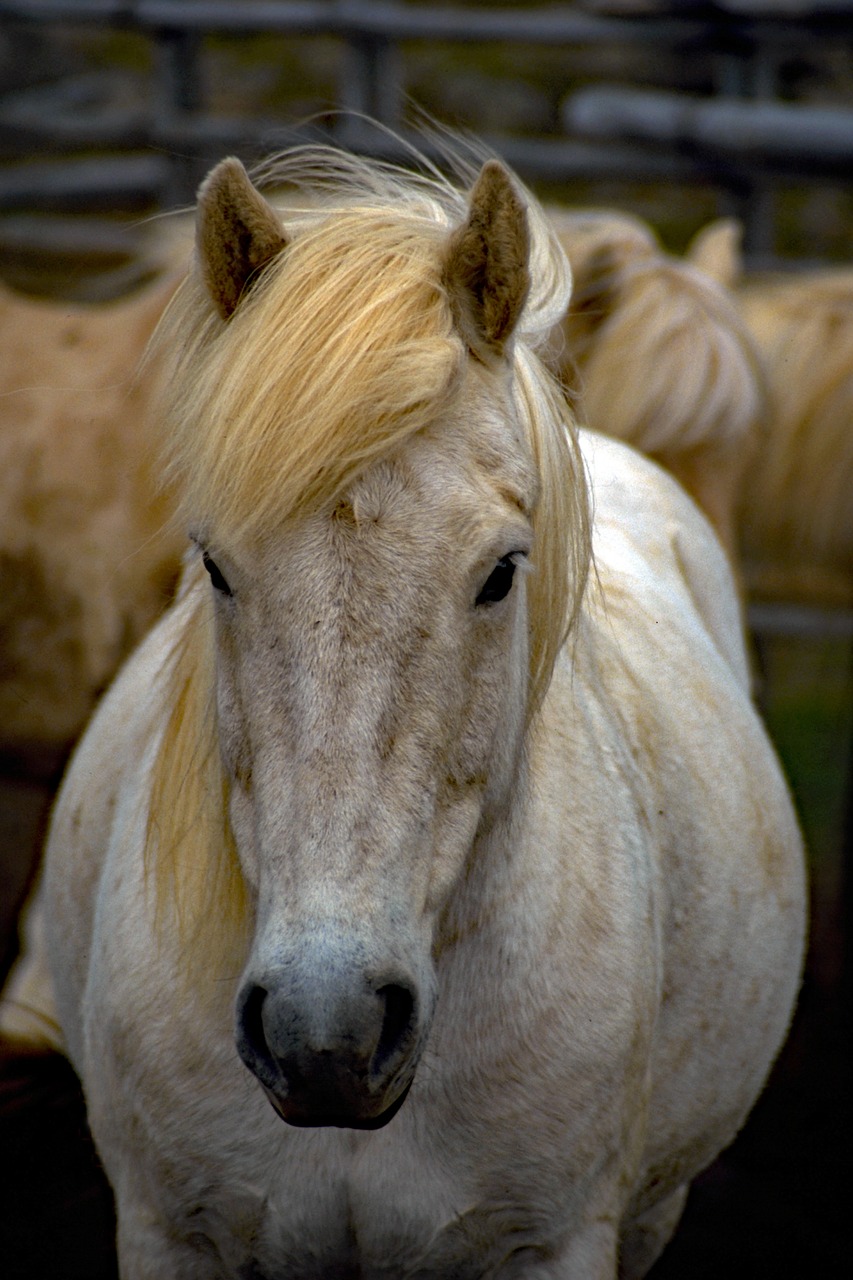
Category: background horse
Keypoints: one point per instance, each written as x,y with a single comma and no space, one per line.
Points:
796,513
86,560
488,876
742,388
654,352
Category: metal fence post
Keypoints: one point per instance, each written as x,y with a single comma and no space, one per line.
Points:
178,73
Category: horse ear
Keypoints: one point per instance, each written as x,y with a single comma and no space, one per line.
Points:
485,271
237,233
716,250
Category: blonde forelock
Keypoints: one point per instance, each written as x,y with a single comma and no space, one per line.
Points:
343,347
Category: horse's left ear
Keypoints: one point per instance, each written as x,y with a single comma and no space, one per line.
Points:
237,233
485,271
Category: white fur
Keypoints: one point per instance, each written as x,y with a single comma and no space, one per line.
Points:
618,948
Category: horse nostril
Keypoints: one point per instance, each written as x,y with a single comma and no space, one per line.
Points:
396,1025
322,1053
251,1037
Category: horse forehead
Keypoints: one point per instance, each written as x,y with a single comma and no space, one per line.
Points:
472,465
398,532
443,493
428,498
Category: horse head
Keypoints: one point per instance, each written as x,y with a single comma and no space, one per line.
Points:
372,657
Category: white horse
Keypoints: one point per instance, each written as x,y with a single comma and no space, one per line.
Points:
488,883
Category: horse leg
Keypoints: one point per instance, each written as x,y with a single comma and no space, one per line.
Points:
590,1255
146,1251
646,1236
28,1007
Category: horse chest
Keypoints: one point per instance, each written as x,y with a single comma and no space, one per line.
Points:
419,1224
336,1205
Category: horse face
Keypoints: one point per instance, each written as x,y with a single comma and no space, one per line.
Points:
372,677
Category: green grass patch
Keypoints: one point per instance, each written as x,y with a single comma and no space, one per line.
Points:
807,699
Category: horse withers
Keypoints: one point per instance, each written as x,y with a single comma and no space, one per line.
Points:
425,899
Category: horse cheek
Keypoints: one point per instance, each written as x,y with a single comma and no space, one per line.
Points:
237,756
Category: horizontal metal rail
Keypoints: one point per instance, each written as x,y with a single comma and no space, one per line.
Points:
770,133
745,149
561,24
372,18
804,622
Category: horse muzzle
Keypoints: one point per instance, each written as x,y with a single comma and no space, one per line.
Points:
338,1050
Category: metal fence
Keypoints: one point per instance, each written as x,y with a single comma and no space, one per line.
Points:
742,135
742,138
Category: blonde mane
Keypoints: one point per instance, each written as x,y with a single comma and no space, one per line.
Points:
343,348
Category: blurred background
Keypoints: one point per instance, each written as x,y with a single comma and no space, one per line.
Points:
111,112
678,111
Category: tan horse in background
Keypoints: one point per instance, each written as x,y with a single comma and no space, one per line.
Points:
86,564
413,907
741,388
654,352
796,513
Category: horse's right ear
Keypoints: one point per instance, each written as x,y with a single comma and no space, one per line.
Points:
716,250
237,233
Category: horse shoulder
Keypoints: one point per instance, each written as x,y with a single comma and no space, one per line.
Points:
648,527
667,643
99,821
663,654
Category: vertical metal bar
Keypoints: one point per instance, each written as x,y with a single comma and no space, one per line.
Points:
178,77
763,73
760,236
371,80
387,82
759,241
731,79
749,70
371,73
355,89
179,70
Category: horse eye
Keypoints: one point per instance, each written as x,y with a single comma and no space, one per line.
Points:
499,581
216,575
